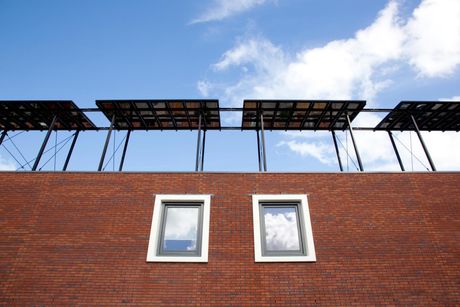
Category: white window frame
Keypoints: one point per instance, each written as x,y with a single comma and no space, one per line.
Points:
155,230
306,230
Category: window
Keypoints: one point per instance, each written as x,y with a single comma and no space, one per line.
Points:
282,229
180,229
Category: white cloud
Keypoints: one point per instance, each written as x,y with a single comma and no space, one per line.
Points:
443,148
433,35
222,9
454,98
374,147
260,53
319,150
341,69
204,87
356,68
7,165
377,154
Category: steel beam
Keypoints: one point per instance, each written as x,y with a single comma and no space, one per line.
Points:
202,149
337,150
425,149
107,140
2,137
125,147
198,145
396,151
354,144
45,141
263,142
66,163
258,151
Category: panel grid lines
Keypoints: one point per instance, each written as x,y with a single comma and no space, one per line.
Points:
162,114
300,114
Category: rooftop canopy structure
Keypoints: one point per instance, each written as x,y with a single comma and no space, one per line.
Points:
300,114
327,115
204,114
428,115
150,114
43,115
40,114
421,115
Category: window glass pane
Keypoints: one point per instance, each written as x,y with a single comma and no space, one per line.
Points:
181,229
281,229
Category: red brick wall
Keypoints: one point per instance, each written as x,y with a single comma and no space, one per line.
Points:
81,238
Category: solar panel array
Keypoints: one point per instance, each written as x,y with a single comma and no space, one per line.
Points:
161,114
300,114
38,115
429,115
148,114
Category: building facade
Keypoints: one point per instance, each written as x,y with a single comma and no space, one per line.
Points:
82,238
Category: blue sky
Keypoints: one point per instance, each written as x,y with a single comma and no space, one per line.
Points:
380,51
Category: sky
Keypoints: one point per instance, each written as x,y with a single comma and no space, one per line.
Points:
380,51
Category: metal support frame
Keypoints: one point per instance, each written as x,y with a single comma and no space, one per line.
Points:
396,151
201,141
263,142
258,151
2,137
66,163
198,146
354,144
125,148
337,150
202,149
45,141
425,149
107,140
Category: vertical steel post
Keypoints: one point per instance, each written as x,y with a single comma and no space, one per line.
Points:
433,168
258,150
125,147
202,151
396,151
354,144
263,142
2,137
198,143
337,150
71,150
107,140
45,141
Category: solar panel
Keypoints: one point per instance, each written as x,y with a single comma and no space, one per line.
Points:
429,115
38,115
300,114
161,114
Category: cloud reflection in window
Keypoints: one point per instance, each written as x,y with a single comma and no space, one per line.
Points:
181,226
281,229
